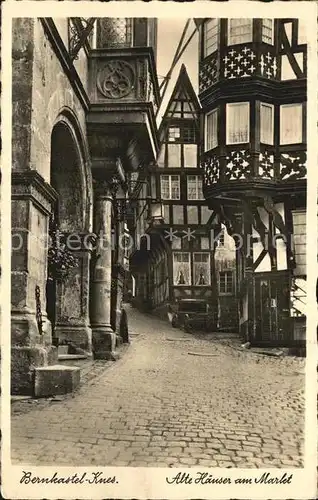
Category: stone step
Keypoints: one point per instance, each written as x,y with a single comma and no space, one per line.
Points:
55,379
68,357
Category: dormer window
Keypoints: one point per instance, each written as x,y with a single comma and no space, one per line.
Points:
240,31
211,31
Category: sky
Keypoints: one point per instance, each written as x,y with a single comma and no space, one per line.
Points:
169,34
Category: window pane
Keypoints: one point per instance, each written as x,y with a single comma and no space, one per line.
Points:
226,282
195,187
211,130
174,155
267,30
240,31
190,152
211,35
205,214
174,134
166,216
201,269
188,134
153,187
165,187
175,187
176,243
181,268
192,214
192,187
161,156
291,124
177,211
237,123
205,244
267,122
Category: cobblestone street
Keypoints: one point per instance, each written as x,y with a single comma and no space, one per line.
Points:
173,399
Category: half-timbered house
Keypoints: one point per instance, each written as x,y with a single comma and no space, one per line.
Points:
186,258
252,88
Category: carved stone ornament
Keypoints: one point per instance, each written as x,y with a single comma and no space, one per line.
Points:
116,79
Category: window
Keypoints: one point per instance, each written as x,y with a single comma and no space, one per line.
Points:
173,134
211,36
237,122
291,124
188,134
115,32
221,239
211,127
190,154
174,155
192,214
176,243
194,186
170,187
181,268
267,123
204,243
240,31
166,214
226,282
185,133
201,269
177,213
205,214
268,31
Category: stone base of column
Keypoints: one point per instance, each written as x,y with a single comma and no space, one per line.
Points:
104,343
24,360
79,335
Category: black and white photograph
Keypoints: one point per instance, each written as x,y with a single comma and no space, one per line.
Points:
162,256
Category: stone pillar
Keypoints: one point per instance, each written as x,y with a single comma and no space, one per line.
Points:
30,348
103,336
72,308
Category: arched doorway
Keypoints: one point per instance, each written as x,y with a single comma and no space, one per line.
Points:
67,299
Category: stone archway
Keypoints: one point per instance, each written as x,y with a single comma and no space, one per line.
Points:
67,300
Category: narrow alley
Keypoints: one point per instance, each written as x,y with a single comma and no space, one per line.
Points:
173,399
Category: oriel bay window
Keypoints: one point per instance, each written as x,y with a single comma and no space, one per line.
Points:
194,187
211,127
237,122
291,124
240,31
211,31
201,269
267,123
170,187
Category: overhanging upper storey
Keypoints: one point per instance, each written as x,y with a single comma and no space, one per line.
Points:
241,50
123,87
253,92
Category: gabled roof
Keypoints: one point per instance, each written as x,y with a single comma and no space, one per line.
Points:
183,91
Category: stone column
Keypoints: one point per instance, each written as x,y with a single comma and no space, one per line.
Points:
72,296
104,338
31,348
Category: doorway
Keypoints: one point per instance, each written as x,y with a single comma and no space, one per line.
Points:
272,309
